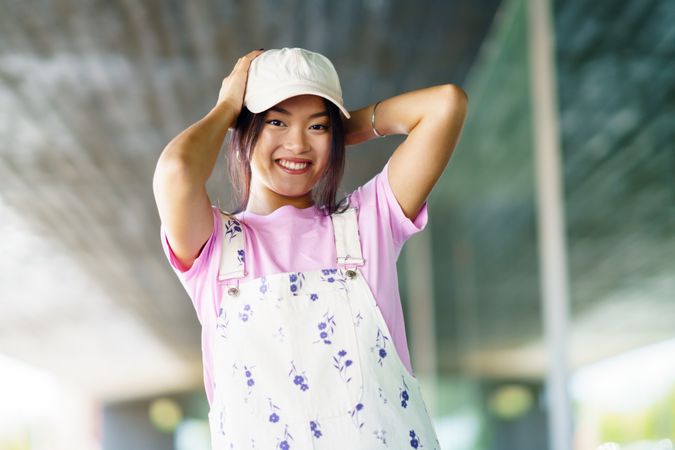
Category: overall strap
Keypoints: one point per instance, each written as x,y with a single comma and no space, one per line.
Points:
232,266
347,242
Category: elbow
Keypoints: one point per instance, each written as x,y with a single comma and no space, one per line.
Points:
172,172
458,91
452,104
453,97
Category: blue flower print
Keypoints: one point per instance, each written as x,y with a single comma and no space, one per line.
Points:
326,328
296,280
240,256
250,382
415,440
380,436
284,444
279,335
232,228
299,380
222,323
274,417
314,297
380,393
331,276
264,287
342,366
246,313
380,346
403,393
355,415
358,318
221,425
315,428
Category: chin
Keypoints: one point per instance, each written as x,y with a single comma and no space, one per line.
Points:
293,193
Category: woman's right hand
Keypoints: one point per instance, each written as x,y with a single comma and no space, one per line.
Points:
186,163
233,87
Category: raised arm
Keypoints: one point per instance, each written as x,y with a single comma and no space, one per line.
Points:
432,118
186,163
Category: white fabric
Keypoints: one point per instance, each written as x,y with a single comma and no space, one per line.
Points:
232,256
278,74
345,228
304,360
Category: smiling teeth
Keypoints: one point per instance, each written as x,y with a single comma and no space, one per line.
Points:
293,165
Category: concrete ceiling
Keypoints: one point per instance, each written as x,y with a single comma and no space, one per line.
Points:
91,91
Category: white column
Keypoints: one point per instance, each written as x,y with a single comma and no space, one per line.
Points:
551,219
421,315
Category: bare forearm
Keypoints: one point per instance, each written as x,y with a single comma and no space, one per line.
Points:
180,178
399,114
186,164
194,151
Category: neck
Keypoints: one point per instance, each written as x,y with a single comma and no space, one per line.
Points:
271,201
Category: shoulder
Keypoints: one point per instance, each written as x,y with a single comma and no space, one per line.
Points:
228,221
378,208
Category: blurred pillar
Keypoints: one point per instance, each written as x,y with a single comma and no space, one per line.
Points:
551,220
419,266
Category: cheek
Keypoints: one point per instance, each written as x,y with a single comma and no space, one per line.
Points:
325,152
323,167
259,156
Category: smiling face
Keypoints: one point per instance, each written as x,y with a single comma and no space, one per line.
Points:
291,154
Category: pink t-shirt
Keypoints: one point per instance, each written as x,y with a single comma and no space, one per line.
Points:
291,239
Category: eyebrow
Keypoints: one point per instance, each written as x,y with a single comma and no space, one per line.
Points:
283,111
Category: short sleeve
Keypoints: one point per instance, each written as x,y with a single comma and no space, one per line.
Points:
402,227
198,279
376,198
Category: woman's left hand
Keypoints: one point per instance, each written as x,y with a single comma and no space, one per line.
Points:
432,118
357,128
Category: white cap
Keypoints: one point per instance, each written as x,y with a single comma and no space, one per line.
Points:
278,74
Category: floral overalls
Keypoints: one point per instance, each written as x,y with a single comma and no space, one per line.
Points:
304,360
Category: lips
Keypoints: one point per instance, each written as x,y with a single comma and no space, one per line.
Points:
295,160
293,166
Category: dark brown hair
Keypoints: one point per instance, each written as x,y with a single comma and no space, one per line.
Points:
244,137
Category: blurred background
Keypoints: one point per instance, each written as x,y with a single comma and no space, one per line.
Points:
99,344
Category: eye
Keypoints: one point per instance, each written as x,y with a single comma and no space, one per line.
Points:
275,123
319,127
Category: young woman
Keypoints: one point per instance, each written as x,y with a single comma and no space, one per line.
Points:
297,293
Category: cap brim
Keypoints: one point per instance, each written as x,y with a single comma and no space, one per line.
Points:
265,101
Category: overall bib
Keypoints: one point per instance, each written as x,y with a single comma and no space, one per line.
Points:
304,360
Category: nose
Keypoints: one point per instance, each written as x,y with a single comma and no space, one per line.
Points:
296,141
